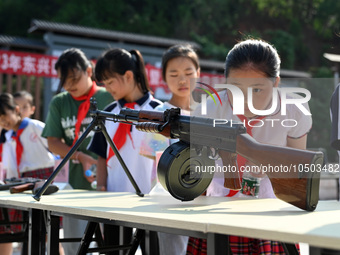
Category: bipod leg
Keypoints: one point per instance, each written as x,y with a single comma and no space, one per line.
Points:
65,159
121,161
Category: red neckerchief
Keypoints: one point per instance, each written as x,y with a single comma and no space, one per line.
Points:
19,149
123,129
83,109
241,161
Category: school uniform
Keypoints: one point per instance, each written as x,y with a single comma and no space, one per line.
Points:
32,160
139,166
35,154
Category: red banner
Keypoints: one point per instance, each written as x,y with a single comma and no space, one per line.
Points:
24,63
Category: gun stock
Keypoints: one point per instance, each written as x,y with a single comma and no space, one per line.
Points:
293,173
34,186
21,188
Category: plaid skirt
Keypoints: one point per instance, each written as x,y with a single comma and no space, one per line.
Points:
240,246
41,173
15,215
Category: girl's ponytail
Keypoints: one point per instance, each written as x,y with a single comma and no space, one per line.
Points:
140,73
118,61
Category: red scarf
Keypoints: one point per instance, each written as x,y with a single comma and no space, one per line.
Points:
18,149
83,109
241,161
119,138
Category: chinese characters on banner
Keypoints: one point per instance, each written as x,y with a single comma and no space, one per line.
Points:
31,64
23,63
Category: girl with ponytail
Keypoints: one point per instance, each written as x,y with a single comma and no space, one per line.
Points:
124,76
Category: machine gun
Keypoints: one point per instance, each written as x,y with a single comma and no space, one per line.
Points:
202,140
296,182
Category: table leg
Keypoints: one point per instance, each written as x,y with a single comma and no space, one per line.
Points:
218,244
87,238
151,246
290,248
53,223
36,232
111,237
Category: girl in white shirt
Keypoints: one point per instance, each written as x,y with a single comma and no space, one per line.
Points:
24,154
255,65
180,69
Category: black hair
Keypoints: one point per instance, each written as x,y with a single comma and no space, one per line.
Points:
118,61
255,54
179,50
24,94
69,61
6,103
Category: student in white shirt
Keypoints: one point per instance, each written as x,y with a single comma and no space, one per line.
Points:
255,65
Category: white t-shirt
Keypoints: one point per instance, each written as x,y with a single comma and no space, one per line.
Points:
35,150
274,129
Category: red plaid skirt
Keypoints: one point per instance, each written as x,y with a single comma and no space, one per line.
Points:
15,215
240,246
42,173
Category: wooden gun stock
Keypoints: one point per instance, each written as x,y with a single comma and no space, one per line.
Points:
34,186
21,188
294,173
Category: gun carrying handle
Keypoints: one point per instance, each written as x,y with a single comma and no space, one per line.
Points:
21,188
232,179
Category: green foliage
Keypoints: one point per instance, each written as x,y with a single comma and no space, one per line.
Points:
285,45
210,49
216,24
326,23
15,16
